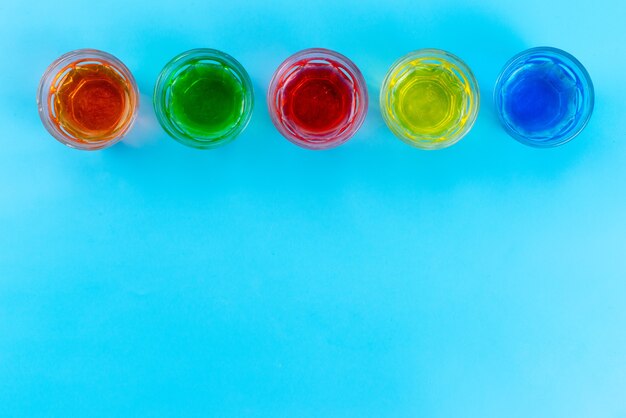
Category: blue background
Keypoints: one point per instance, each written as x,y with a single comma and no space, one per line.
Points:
264,280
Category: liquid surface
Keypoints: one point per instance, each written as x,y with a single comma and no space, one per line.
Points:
206,99
540,99
428,99
318,98
91,101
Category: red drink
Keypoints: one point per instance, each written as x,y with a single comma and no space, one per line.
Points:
317,99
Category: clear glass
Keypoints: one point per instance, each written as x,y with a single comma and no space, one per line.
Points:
566,69
429,99
56,74
300,63
163,98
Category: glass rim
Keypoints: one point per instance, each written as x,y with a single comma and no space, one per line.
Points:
178,62
474,91
43,93
324,141
573,64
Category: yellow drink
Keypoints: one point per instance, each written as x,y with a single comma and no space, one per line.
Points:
429,99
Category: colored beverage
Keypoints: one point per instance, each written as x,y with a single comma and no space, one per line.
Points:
203,98
87,99
317,99
429,99
544,97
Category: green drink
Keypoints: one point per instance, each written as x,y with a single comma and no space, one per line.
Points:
203,98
